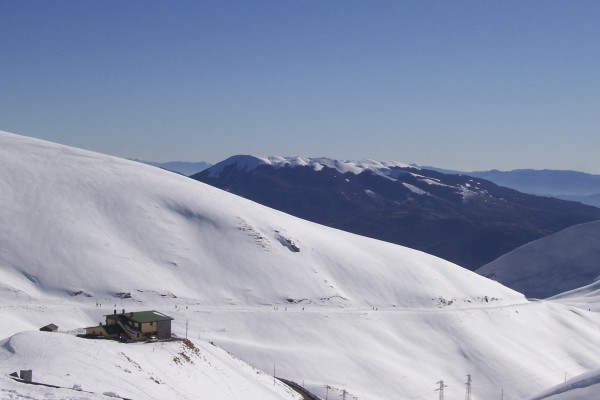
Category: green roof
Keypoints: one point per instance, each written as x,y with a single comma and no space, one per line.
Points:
144,316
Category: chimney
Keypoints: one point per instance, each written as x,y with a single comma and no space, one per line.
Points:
115,311
123,311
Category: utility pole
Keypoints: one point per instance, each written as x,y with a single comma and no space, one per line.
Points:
441,389
502,395
273,374
468,394
186,327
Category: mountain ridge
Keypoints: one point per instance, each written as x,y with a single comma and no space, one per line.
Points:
562,184
561,262
467,220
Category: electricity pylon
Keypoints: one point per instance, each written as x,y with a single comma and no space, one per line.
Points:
468,395
441,389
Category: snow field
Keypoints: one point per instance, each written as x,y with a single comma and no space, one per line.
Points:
381,321
162,370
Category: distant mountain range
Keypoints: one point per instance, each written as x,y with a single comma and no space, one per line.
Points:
181,167
564,261
566,185
467,220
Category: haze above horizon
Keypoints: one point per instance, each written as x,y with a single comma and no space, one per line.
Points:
458,85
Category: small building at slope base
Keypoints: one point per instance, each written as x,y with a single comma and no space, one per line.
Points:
133,326
49,328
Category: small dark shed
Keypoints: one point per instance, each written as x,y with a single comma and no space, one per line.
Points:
49,328
26,375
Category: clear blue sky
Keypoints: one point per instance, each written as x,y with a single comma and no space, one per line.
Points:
456,84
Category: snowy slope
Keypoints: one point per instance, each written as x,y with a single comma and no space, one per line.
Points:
74,220
162,370
83,233
582,387
561,262
591,294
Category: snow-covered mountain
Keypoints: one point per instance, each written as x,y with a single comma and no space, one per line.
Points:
73,231
466,220
83,233
564,261
586,385
581,387
248,163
